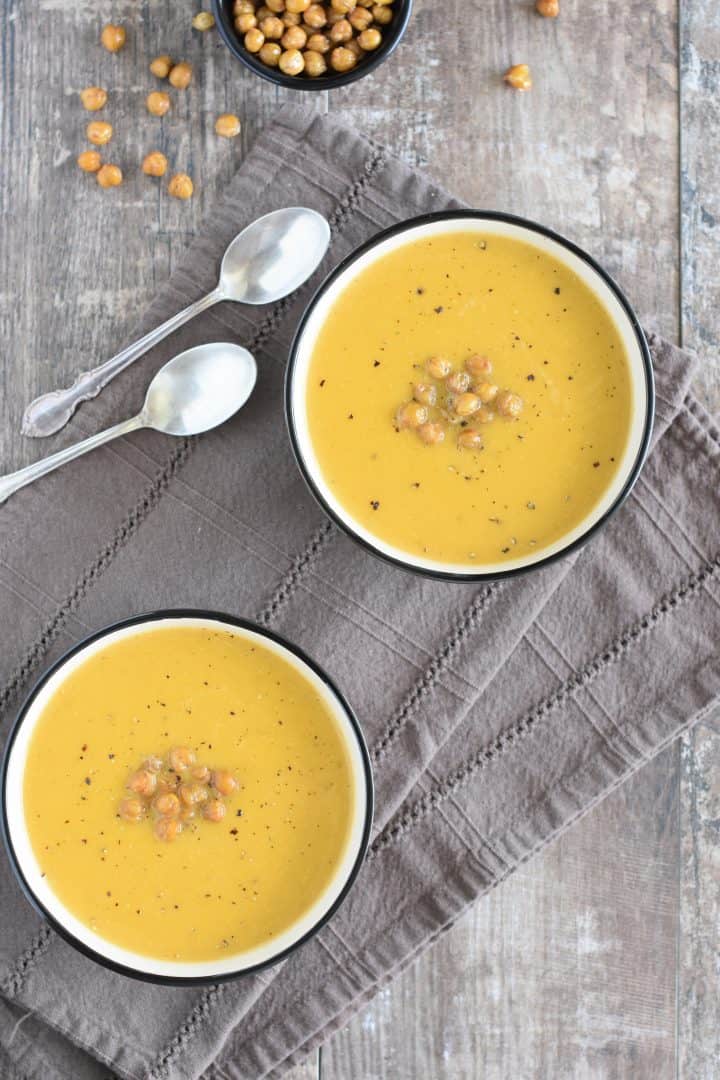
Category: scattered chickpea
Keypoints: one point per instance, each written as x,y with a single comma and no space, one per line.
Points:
214,810
458,382
131,809
93,98
470,439
157,103
168,781
153,763
99,132
204,20
181,75
518,76
155,164
431,433
201,773
315,64
484,415
224,782
160,66
425,393
143,782
181,758
187,813
109,176
549,9
438,367
181,186
254,40
508,404
167,804
478,365
89,161
192,794
411,415
466,404
228,125
113,37
486,391
369,39
291,62
270,53
167,829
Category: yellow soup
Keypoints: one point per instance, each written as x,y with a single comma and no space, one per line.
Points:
222,886
492,483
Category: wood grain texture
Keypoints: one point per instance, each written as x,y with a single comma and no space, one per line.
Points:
598,959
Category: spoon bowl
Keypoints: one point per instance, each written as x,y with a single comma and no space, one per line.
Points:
199,389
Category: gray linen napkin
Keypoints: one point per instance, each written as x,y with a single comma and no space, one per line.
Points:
496,714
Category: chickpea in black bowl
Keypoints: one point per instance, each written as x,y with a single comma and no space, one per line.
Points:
307,45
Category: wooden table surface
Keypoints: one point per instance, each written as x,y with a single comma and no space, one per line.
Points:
599,959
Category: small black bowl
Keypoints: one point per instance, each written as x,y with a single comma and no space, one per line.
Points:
222,10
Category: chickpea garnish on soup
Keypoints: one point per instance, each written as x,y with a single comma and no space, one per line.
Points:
304,39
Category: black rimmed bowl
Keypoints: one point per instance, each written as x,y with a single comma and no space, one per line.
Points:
545,240
40,893
392,34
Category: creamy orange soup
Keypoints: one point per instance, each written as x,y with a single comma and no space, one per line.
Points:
221,886
491,485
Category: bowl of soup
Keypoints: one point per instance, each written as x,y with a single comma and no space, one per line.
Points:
186,797
469,395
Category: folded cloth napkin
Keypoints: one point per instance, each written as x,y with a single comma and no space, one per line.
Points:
496,714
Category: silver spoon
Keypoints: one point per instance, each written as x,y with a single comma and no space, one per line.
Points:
266,261
197,390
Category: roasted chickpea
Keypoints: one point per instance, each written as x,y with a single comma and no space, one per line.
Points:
254,40
214,810
486,391
342,59
425,393
273,28
93,98
549,9
99,132
270,53
204,20
157,103
193,794
315,16
109,176
438,367
201,773
246,21
89,161
411,415
478,365
370,39
466,404
518,76
382,14
334,16
469,439
319,43
291,18
341,32
167,829
275,5
343,6
155,164
354,48
360,19
113,37
224,782
297,5
242,6
167,804
160,66
181,757
263,12
484,415
131,809
431,433
294,38
143,782
228,125
508,404
181,75
457,382
315,64
291,62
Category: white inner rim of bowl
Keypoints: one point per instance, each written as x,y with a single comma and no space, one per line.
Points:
237,961
609,300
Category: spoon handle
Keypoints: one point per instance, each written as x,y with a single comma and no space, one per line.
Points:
50,412
15,480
